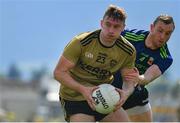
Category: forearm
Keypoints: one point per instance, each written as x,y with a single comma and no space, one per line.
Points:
144,80
128,83
128,87
65,79
151,74
62,74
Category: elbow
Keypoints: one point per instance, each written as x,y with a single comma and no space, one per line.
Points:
56,75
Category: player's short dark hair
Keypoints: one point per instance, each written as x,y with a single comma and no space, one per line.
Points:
165,19
115,12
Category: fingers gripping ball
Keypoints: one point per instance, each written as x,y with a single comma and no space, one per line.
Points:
106,97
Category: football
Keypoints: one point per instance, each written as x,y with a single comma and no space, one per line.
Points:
106,97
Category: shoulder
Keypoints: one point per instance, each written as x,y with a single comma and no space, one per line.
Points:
165,60
135,31
125,45
164,52
135,35
86,37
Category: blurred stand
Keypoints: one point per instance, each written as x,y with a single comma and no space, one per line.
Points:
165,100
29,101
37,100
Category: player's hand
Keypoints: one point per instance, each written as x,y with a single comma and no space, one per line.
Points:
87,93
123,98
132,76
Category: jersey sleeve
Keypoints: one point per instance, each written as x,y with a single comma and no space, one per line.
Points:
129,31
164,64
130,61
73,50
134,35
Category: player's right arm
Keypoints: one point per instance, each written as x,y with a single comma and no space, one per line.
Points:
67,61
61,74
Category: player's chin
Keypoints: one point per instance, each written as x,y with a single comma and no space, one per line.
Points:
160,45
110,39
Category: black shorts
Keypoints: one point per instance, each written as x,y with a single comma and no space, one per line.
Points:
138,98
75,107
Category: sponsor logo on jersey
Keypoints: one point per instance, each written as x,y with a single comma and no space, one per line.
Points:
96,71
143,57
88,55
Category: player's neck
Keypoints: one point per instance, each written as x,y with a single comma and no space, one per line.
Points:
106,42
149,44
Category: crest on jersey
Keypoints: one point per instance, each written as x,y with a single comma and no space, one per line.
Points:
150,61
113,63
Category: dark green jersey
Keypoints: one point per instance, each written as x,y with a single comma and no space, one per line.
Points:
95,63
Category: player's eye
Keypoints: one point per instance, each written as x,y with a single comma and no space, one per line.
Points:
107,24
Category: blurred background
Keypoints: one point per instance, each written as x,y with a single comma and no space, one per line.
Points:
33,34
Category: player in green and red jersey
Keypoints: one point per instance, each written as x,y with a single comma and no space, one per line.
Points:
152,60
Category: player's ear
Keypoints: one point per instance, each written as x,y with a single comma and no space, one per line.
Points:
124,25
151,27
101,23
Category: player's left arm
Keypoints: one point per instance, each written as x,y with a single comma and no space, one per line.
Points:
128,85
129,68
151,74
157,69
154,71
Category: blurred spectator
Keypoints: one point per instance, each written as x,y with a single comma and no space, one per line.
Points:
14,72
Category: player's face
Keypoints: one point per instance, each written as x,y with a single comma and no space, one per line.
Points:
111,28
161,33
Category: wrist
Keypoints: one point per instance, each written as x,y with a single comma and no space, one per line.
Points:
80,89
129,92
142,81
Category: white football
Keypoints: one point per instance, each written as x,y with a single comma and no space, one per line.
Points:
106,97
